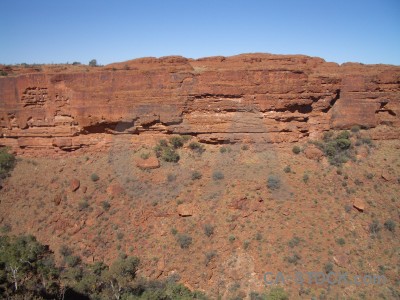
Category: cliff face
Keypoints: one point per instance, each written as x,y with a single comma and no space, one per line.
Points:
257,97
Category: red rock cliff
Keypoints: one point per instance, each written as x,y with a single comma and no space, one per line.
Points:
261,97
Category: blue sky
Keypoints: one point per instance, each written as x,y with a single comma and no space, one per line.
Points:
52,31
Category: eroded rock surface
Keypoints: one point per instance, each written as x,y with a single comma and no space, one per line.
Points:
256,97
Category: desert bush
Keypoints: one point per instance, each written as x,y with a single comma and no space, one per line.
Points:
223,149
196,175
106,205
166,152
296,149
196,147
208,230
94,177
374,227
328,267
7,162
217,175
83,204
277,293
293,259
246,244
145,155
273,182
232,238
184,240
306,178
3,73
65,251
293,242
170,155
355,128
209,256
287,169
340,241
245,147
390,225
171,177
93,63
176,141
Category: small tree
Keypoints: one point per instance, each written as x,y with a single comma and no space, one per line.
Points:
93,63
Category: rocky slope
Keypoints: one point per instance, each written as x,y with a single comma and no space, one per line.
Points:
250,97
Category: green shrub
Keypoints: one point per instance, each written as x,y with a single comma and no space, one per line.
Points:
287,169
232,238
273,182
296,149
355,128
390,225
217,175
184,240
196,147
94,177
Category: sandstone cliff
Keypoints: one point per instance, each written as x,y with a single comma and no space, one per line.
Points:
254,97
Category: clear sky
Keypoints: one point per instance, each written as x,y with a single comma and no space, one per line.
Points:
54,31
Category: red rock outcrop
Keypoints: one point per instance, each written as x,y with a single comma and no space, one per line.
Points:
260,97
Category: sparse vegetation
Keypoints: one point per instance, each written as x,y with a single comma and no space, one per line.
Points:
287,169
29,272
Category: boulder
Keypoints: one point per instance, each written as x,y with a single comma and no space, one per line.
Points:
359,204
115,190
74,184
186,210
150,163
312,152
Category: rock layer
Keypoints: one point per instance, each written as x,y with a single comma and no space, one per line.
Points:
252,97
